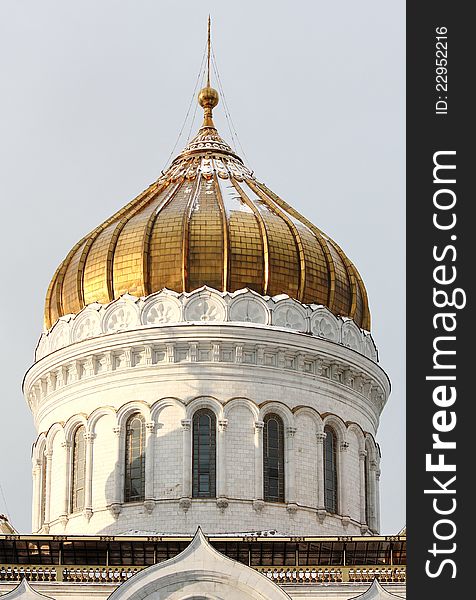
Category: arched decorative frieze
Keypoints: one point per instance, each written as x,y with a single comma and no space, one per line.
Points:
249,309
280,409
52,432
121,315
289,314
160,405
126,410
87,324
250,405
337,424
205,402
312,414
324,324
60,335
205,306
160,309
369,348
72,424
359,434
97,414
351,336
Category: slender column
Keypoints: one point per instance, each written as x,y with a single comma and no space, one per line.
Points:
36,505
88,491
221,458
66,445
373,495
49,460
321,506
149,466
259,491
362,455
342,479
118,490
290,468
187,458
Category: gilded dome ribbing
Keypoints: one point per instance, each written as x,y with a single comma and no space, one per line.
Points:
207,221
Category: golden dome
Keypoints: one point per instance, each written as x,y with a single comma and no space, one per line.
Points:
207,221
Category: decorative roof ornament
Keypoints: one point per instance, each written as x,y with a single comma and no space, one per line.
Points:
208,221
24,591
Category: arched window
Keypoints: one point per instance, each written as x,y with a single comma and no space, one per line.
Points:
330,470
134,481
204,454
273,458
79,470
43,489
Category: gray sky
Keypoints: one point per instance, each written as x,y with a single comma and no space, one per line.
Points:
93,97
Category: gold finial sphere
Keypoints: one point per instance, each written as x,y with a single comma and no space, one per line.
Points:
208,97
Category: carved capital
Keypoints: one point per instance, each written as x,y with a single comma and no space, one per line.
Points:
117,430
258,505
88,513
292,508
185,503
259,426
222,504
222,424
89,436
320,436
149,506
64,520
150,426
345,521
321,515
115,509
344,446
291,431
186,424
362,454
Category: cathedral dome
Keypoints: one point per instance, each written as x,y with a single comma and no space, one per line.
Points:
207,221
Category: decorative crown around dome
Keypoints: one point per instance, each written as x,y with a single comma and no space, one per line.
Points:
207,221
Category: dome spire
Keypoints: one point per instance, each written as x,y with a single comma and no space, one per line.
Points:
208,97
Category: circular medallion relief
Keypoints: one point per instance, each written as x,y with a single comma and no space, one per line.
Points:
205,308
161,310
120,317
248,310
290,316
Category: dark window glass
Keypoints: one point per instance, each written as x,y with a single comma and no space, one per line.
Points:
273,458
330,470
79,470
134,483
43,489
366,489
204,454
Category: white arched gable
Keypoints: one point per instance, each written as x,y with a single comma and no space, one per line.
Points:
199,571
